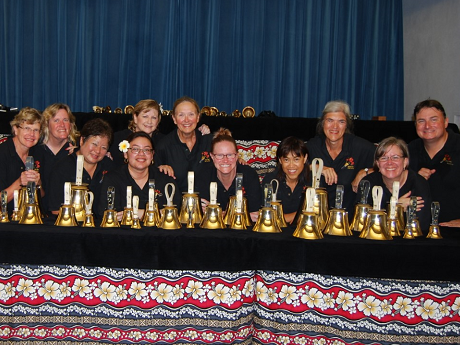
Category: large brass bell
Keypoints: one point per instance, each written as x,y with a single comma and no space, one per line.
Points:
321,204
212,218
237,217
151,214
434,231
307,226
362,207
88,222
109,219
278,206
169,217
337,223
191,204
66,216
31,213
266,222
376,227
78,200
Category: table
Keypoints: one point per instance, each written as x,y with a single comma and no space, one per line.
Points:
225,286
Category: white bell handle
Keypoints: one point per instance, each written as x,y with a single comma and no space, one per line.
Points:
275,189
129,196
377,193
316,170
136,206
213,193
393,202
89,199
310,199
151,198
170,196
395,191
191,181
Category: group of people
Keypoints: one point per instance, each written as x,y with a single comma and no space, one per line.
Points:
426,168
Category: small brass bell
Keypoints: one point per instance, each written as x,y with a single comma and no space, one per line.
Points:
88,222
412,225
232,204
4,204
237,220
31,213
394,226
435,231
151,214
15,216
376,227
361,209
169,217
191,205
109,220
212,218
128,214
307,226
337,224
136,224
66,216
266,222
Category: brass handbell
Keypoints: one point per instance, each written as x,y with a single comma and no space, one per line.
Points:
361,208
128,213
376,227
191,205
412,225
237,218
278,206
31,213
169,217
23,197
212,218
266,222
88,222
394,226
109,220
151,214
4,202
136,224
337,224
66,215
435,232
15,216
231,206
78,200
307,226
321,205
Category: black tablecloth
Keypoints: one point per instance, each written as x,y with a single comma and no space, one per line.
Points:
231,250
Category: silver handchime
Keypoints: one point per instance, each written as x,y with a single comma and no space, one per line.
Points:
152,213
66,215
89,219
395,213
169,215
277,205
109,220
376,227
78,191
337,224
307,226
4,203
266,222
412,225
212,218
31,213
435,232
191,206
136,224
362,207
128,214
15,215
232,205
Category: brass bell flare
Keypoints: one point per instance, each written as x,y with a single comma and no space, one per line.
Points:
213,218
66,216
376,227
15,216
337,224
231,209
434,232
136,224
238,221
23,200
267,221
400,222
88,222
4,218
128,216
409,233
307,227
109,220
359,217
169,219
415,227
393,227
31,214
190,205
78,200
279,213
320,207
151,218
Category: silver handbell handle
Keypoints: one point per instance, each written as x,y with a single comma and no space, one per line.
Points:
29,164
377,193
435,209
170,196
316,169
364,188
110,197
339,197
4,201
275,189
89,199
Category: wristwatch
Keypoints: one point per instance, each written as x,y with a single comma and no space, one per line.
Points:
366,170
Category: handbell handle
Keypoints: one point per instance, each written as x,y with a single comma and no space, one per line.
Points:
364,188
339,197
213,193
275,189
377,193
31,191
317,169
89,199
169,196
29,164
393,202
110,197
395,191
268,192
310,196
4,201
435,209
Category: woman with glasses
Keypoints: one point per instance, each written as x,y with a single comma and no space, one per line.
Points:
391,163
95,138
25,128
225,167
138,170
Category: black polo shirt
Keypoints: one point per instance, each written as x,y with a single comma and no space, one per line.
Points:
171,151
120,178
357,153
251,186
65,171
445,182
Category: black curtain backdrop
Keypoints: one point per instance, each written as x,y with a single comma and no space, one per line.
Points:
287,56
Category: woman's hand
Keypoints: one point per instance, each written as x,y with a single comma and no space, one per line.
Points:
404,200
72,148
451,224
358,178
204,204
167,170
30,176
204,129
426,173
254,216
330,175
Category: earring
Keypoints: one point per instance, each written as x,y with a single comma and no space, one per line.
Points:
126,160
152,162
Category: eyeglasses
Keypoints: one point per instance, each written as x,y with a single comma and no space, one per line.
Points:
394,158
220,156
136,150
28,129
432,120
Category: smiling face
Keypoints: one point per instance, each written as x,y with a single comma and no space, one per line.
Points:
334,126
140,160
27,134
94,149
59,125
186,117
147,121
225,165
392,163
431,124
292,166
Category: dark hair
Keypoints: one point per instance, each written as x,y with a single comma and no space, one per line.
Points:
428,103
297,148
96,127
140,134
385,145
182,100
221,135
335,107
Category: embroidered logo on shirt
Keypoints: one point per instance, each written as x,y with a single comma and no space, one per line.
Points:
447,160
349,163
37,166
103,174
205,157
